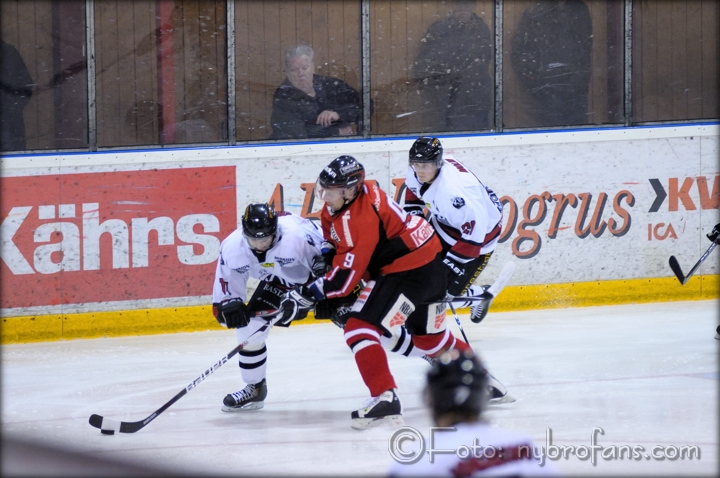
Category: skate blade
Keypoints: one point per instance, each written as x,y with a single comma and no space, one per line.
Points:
392,421
504,399
247,408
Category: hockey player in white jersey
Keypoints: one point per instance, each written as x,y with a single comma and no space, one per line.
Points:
466,214
462,443
277,249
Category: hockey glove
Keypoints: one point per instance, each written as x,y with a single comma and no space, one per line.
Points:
322,264
715,234
295,305
233,313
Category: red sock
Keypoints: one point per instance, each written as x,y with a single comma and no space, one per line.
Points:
364,340
435,344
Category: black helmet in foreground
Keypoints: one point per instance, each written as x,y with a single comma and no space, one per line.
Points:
457,383
259,220
343,172
426,150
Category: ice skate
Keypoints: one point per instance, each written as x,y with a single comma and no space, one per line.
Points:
383,409
497,391
479,310
252,397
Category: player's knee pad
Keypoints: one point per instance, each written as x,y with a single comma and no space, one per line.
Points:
398,314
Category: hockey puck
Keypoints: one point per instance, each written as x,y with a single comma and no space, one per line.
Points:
107,432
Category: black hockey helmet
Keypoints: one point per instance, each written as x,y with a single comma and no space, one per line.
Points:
259,220
426,150
343,172
457,382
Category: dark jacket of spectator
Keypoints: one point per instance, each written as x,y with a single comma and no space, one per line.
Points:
16,88
294,113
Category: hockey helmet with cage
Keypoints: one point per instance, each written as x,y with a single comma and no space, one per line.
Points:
427,150
457,382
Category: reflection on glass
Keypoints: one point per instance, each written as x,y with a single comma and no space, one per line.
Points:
551,55
432,66
16,89
43,75
675,60
160,72
563,63
452,71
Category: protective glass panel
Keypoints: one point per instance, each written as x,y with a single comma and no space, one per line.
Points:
309,92
160,72
43,75
675,60
562,63
432,66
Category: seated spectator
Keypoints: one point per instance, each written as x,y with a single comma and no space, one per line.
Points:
307,105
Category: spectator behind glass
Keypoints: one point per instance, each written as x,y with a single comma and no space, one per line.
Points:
16,88
452,70
307,105
551,55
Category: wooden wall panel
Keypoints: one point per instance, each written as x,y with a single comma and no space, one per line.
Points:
106,84
675,63
128,78
264,30
709,56
675,47
397,28
28,27
604,100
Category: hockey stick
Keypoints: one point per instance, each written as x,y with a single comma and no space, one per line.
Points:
109,427
675,265
457,320
503,278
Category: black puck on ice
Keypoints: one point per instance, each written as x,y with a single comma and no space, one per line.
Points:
107,432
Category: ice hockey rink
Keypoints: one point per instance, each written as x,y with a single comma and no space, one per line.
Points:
647,375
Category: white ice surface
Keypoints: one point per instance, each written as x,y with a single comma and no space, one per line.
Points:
646,374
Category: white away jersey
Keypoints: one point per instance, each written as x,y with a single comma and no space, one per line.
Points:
297,242
465,213
485,451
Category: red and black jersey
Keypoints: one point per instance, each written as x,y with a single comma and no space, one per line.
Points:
374,236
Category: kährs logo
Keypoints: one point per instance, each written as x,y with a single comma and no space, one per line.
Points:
113,236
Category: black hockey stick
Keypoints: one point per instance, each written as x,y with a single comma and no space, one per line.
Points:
675,265
109,427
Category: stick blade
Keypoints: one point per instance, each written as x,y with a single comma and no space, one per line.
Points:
106,426
675,266
96,420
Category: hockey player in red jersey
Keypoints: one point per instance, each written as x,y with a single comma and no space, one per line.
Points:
466,214
400,257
